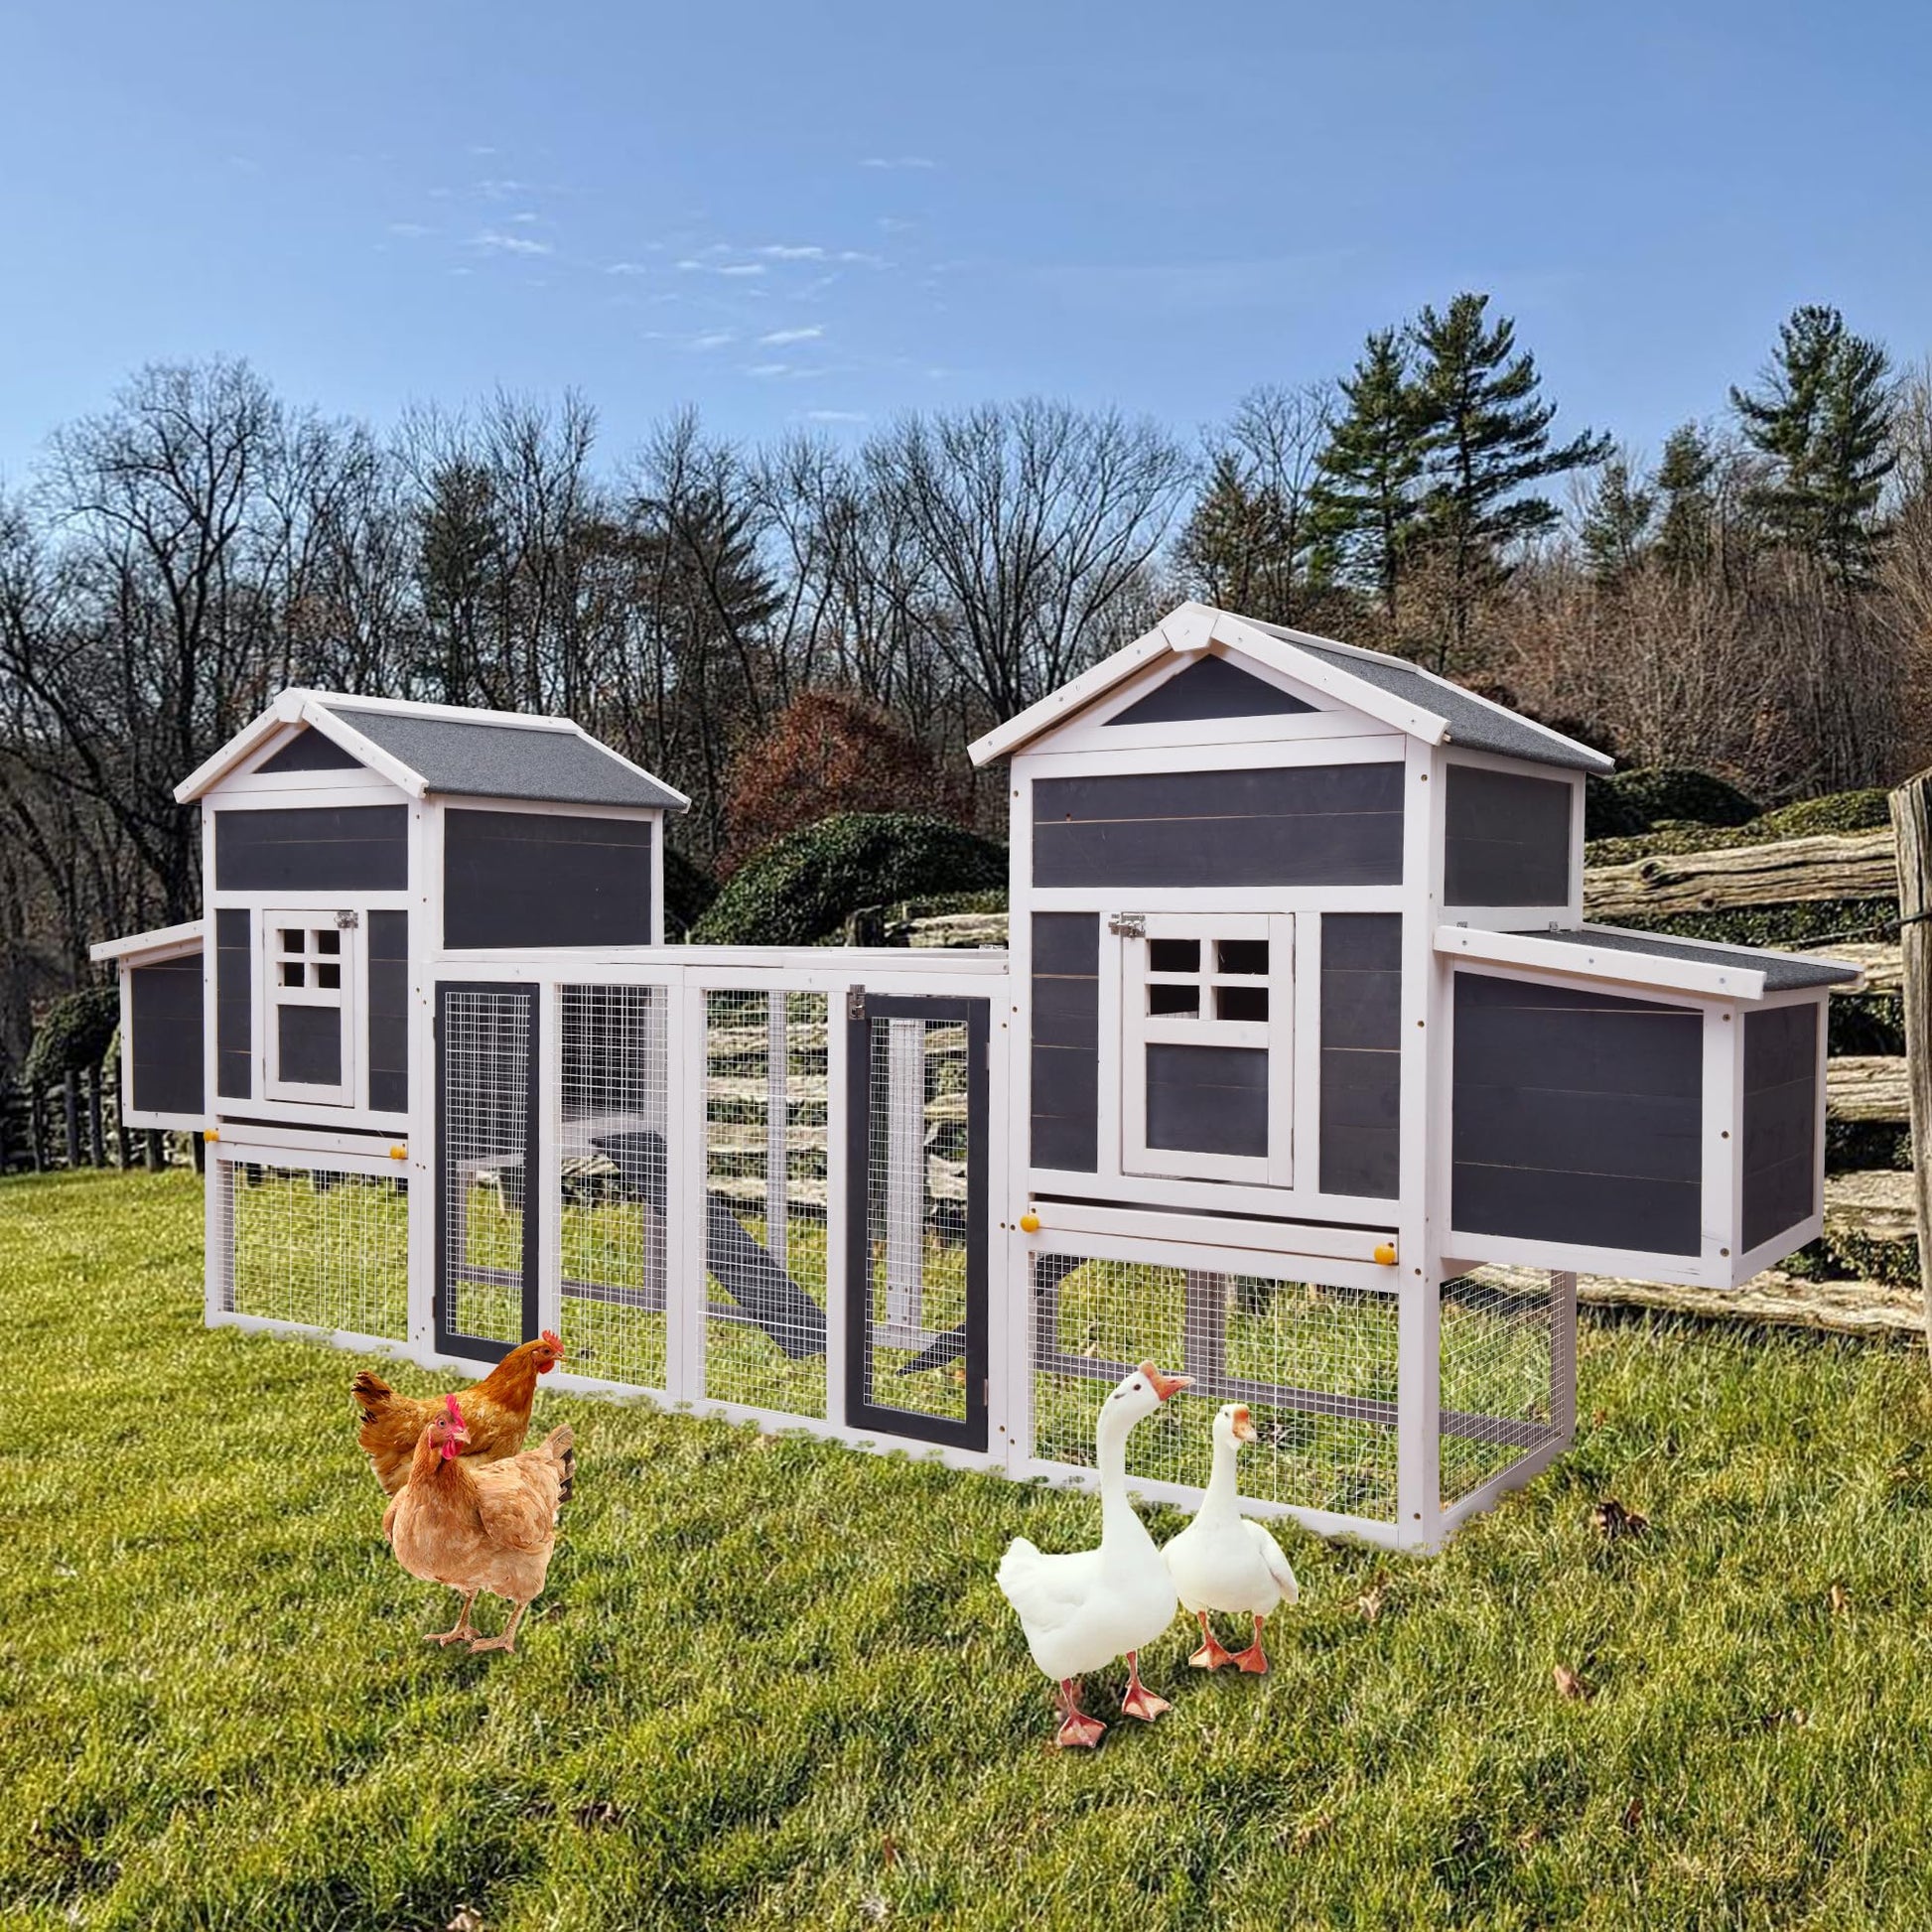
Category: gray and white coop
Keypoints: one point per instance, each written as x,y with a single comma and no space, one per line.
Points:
1302,1072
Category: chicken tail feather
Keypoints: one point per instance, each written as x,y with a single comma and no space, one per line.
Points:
560,1446
371,1394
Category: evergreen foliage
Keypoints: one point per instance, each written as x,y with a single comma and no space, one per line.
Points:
76,1035
1683,482
1617,522
1366,500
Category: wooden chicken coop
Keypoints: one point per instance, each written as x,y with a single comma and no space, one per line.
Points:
1299,1036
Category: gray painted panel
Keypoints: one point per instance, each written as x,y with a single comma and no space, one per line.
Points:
1067,942
165,1070
309,1045
1207,1099
1365,1161
389,1011
1597,1209
1779,1197
1780,1129
1576,1117
1290,790
1066,1013
1361,1059
1780,1047
1506,839
235,998
1211,687
1780,1124
524,878
1649,1136
1330,849
309,751
312,849
1072,1146
1065,1101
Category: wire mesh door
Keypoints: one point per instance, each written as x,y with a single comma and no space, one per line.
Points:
916,1301
486,1160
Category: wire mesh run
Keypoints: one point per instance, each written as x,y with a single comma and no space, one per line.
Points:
916,1204
1316,1367
612,1138
766,1086
315,1247
485,1046
1508,1372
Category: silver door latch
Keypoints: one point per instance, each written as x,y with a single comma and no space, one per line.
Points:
854,1002
1128,925
347,921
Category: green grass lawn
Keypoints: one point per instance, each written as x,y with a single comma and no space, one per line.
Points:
772,1683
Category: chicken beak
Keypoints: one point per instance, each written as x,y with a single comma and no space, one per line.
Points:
1166,1384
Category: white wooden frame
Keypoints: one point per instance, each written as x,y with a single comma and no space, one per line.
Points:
349,962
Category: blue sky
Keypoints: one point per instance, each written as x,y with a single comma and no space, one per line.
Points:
821,215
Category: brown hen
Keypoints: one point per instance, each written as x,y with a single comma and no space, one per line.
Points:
495,1412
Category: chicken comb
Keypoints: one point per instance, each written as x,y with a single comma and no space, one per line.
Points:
455,1414
552,1337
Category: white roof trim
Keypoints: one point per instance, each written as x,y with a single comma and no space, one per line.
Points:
339,730
1610,964
190,936
1369,699
1060,705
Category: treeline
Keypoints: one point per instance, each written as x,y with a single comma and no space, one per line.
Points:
1754,600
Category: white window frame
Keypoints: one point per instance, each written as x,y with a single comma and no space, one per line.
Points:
1273,1035
344,998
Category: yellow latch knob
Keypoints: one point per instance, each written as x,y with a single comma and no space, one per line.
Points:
210,1134
1385,1253
1030,1222
398,1154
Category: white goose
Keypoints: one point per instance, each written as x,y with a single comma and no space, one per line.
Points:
1224,1561
1082,1611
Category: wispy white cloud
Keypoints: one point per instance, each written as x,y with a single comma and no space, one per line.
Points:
769,368
716,339
501,191
480,149
783,252
836,416
410,229
527,215
692,265
509,244
780,337
899,161
626,268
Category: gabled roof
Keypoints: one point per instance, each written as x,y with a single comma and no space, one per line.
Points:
1400,695
428,750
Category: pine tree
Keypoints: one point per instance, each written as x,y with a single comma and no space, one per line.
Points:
1485,438
1235,549
1685,475
1823,415
1366,496
1617,522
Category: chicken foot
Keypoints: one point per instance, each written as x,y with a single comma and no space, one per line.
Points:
463,1631
507,1640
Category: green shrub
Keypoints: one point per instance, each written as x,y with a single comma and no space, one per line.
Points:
800,890
76,1035
688,892
1607,814
1837,811
1663,792
1790,929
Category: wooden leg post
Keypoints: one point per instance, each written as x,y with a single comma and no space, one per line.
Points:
1912,819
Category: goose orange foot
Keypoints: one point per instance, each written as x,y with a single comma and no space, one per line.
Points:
1139,1702
1252,1659
1210,1655
1078,1731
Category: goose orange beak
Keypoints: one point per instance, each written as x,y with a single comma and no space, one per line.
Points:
1244,1426
1165,1385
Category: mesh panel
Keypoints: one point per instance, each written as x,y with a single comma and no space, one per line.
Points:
316,1246
485,1051
917,1089
610,1149
1507,1378
1316,1367
765,1088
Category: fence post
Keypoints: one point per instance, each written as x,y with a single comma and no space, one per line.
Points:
1911,821
71,1104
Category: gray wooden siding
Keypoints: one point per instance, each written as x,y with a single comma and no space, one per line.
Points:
1209,688
309,751
234,999
389,1011
1207,1099
533,879
1506,839
1780,1127
1295,825
165,1068
1576,1117
312,849
309,1045
1066,1041
1361,1053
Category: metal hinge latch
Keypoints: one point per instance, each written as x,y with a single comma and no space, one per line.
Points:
1127,925
347,921
854,1002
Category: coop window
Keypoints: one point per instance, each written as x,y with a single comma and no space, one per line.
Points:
309,1035
1207,1060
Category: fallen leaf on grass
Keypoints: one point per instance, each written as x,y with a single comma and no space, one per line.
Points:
1840,1600
873,1908
601,1816
1571,1685
762,1441
1311,1828
467,1919
1612,1520
1369,1603
889,1851
1633,1814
